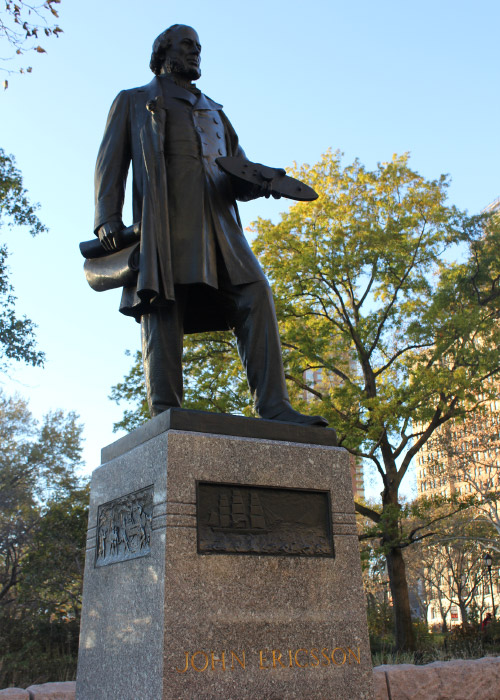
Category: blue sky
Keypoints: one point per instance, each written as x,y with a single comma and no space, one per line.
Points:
295,78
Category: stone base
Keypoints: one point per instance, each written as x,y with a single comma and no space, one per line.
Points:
64,690
269,611
459,679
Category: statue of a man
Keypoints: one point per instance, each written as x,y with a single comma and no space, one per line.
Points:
196,271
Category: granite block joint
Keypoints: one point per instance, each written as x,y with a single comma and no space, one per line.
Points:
181,508
339,529
345,518
159,522
175,520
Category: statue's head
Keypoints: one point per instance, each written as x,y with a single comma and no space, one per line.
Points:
177,51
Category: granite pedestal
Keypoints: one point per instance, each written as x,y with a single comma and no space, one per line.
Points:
223,562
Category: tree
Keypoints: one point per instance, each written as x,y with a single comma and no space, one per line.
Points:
366,292
43,522
17,337
450,565
21,23
37,467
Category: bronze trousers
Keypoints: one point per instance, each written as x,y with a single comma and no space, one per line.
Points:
250,312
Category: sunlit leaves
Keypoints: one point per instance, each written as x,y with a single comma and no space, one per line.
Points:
362,279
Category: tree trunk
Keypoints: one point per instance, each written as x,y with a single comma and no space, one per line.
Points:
443,612
403,629
463,610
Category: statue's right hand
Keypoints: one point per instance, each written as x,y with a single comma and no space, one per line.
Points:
109,234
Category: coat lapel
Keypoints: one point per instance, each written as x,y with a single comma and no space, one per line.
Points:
201,101
172,90
155,239
150,110
204,102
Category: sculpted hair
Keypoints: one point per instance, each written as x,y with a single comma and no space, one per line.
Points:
160,46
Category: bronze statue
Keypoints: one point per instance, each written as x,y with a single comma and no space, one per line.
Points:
194,268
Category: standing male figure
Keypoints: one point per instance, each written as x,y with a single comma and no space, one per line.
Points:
196,271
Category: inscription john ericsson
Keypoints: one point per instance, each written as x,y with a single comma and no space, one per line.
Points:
266,659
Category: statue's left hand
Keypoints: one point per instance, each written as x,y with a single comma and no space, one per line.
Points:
269,175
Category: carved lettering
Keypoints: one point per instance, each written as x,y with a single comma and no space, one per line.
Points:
277,659
333,656
314,651
351,653
241,663
302,657
261,659
222,660
325,656
296,660
200,670
187,663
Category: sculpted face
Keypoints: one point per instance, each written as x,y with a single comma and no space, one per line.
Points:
183,56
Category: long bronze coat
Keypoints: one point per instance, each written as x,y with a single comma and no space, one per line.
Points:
135,134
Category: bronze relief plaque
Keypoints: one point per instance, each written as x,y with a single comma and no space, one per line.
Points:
124,527
236,519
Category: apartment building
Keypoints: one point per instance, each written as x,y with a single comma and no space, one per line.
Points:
463,457
464,454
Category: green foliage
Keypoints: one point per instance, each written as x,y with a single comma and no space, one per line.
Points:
53,567
43,522
462,642
133,391
380,617
363,286
456,645
479,278
39,629
17,339
39,651
213,380
14,202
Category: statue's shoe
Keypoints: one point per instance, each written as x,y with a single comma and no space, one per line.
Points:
289,415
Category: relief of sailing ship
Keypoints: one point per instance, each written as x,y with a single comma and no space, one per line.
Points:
240,515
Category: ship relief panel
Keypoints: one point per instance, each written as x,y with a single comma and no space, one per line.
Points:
236,519
124,527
